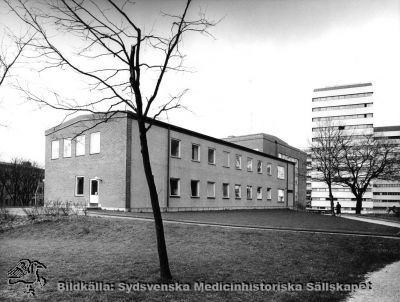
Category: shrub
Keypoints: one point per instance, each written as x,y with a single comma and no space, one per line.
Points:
5,215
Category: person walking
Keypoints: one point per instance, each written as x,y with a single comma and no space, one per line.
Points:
338,209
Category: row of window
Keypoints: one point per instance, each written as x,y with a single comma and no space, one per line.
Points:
387,185
336,190
175,190
175,151
354,106
386,200
340,97
79,146
386,193
349,127
342,117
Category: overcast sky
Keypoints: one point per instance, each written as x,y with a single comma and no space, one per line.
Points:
257,75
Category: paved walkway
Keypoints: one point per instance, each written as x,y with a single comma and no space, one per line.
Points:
385,286
371,220
244,227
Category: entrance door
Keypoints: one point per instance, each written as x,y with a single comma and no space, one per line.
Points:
94,191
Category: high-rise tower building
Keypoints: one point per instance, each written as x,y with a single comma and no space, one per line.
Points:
348,107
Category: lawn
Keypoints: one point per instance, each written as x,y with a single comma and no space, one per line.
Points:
275,219
113,250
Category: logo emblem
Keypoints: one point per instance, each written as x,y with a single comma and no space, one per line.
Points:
27,272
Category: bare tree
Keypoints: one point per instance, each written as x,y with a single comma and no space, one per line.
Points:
364,159
9,56
325,153
116,50
19,180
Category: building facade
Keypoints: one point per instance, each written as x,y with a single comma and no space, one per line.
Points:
274,146
102,167
350,107
386,193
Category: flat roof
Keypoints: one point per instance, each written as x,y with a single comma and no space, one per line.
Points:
386,128
343,87
132,115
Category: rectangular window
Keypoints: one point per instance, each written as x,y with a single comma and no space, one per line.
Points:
227,160
175,187
67,147
269,169
259,193
238,161
259,166
175,147
281,195
79,185
238,191
281,172
269,194
249,164
55,149
249,192
195,188
95,143
225,190
211,189
211,156
195,152
80,145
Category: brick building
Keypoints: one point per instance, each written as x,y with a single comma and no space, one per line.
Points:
102,167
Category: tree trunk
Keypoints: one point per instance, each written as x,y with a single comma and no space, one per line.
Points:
358,204
165,272
331,200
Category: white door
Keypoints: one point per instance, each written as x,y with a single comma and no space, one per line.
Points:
94,191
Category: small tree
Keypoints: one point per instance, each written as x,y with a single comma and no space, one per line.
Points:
363,160
325,153
113,56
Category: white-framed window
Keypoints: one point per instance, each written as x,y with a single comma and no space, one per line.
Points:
259,193
249,164
175,187
210,189
269,169
94,143
80,145
227,159
238,161
238,191
194,188
259,166
281,195
175,148
67,147
269,193
55,149
249,192
211,156
195,152
225,190
281,172
79,185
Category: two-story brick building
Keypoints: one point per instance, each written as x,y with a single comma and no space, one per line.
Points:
101,165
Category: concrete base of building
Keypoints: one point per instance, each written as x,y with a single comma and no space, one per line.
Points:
192,209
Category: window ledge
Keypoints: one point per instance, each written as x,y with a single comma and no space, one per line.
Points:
212,164
225,198
238,198
210,197
173,156
174,196
195,160
196,197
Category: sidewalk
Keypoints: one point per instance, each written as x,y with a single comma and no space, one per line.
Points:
385,286
371,220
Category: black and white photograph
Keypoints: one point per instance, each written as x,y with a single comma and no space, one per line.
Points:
200,150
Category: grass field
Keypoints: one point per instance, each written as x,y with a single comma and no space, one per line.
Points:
113,250
276,218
